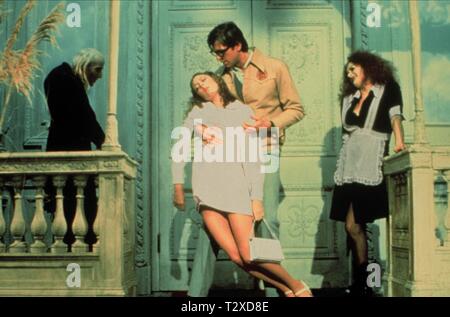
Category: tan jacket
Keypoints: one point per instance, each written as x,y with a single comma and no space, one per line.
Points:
269,89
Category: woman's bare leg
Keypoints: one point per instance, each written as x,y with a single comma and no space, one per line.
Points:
241,227
218,226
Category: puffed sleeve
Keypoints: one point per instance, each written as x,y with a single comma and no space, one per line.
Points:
395,100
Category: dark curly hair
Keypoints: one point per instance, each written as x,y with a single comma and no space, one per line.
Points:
226,95
377,69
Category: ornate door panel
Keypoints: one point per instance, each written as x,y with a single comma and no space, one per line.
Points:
309,37
180,29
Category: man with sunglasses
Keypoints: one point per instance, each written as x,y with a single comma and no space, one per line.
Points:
265,84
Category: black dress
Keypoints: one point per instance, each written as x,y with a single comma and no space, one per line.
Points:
370,202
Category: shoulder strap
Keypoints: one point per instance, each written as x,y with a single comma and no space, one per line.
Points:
268,227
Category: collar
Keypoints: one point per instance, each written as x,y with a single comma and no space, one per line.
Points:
231,106
234,105
208,104
257,59
249,59
377,91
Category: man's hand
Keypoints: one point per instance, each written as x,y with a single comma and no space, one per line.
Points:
178,196
259,123
258,209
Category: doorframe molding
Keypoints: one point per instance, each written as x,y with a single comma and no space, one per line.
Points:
359,36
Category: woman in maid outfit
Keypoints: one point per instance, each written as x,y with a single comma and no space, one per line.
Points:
371,110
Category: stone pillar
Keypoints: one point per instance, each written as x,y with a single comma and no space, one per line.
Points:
423,224
18,222
447,221
2,220
38,225
419,122
59,226
112,133
80,227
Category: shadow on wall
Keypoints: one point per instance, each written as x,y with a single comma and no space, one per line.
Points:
333,255
330,254
183,234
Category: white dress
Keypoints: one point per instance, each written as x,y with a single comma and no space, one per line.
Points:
227,185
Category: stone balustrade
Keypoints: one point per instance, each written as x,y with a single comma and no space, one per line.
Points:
419,222
35,256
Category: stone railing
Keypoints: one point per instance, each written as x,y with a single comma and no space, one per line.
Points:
34,257
419,222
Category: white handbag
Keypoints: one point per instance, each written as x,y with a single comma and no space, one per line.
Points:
265,250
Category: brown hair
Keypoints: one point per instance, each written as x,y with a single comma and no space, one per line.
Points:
196,100
227,34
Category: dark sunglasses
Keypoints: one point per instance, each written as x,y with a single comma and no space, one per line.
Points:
220,53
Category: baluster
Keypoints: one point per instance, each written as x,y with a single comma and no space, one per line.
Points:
59,225
80,223
447,222
440,205
96,225
2,220
18,222
38,225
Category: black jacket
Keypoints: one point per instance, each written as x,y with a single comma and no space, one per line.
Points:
73,123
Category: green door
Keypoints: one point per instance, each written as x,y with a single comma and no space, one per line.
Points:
312,38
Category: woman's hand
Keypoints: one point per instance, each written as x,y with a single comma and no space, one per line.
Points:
178,196
258,209
210,135
399,146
